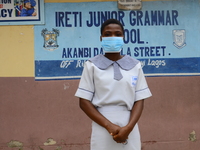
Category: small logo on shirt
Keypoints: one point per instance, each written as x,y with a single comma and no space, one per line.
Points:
134,80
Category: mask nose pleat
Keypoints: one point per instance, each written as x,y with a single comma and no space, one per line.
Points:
117,74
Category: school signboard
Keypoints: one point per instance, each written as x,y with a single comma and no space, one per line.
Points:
163,35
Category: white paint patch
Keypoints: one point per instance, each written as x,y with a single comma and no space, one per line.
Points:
15,144
66,86
50,141
192,136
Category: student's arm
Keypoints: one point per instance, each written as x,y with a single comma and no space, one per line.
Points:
97,117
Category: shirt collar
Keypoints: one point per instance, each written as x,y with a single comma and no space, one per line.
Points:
126,62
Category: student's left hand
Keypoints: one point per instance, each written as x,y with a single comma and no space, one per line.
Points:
122,135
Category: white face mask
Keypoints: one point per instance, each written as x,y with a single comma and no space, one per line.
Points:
112,44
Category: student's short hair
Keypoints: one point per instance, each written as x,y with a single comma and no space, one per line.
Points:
111,21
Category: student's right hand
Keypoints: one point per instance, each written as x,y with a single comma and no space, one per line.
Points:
122,135
113,129
119,134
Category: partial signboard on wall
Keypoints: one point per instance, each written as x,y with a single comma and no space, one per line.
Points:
162,36
130,4
21,12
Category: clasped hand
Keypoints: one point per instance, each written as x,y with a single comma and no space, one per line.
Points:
119,134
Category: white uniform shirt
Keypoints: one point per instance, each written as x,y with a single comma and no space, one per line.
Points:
98,85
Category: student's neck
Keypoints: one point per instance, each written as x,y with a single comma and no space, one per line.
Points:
113,56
